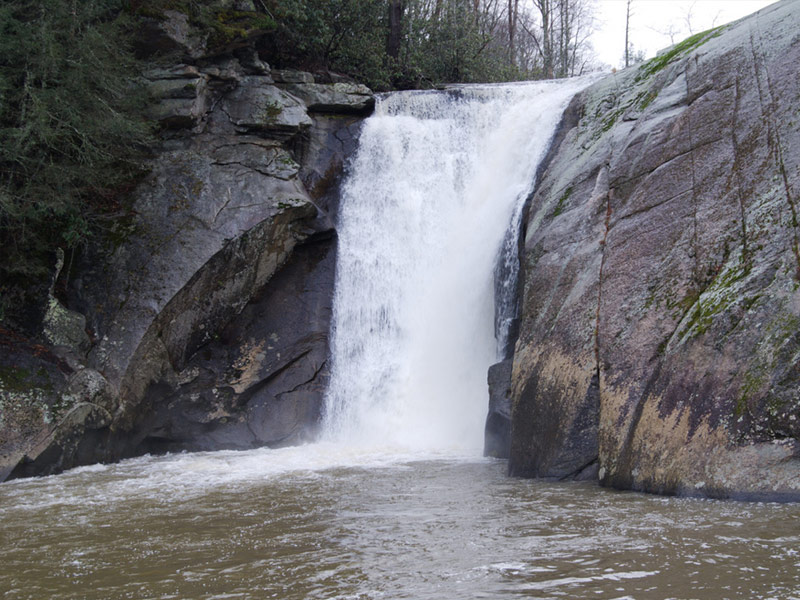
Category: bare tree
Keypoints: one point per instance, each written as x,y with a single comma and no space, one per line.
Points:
513,11
688,18
563,37
670,31
498,38
545,8
627,32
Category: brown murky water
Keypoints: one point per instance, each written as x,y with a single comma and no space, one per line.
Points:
318,522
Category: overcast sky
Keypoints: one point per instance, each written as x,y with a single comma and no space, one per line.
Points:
652,20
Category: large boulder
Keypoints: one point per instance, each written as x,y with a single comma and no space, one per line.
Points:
340,98
660,329
257,106
169,32
181,94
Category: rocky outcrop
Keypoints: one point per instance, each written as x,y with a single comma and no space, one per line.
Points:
341,98
209,301
660,330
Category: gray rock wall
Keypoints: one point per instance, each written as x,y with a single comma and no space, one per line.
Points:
209,302
660,330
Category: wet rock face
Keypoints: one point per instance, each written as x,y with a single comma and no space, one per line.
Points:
208,304
661,305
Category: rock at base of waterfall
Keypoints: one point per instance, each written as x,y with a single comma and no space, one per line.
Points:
261,381
497,436
212,226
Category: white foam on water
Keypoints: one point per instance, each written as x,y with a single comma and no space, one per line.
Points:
179,477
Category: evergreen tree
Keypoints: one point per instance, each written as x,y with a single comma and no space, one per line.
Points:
70,129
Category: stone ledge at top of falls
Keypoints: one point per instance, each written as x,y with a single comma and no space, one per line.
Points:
660,325
238,207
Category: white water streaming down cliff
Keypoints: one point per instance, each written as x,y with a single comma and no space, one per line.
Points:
438,179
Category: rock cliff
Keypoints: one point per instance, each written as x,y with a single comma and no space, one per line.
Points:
659,345
208,303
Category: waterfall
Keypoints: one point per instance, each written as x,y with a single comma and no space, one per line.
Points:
436,186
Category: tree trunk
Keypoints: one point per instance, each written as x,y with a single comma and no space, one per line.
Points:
394,40
564,39
547,38
512,27
627,30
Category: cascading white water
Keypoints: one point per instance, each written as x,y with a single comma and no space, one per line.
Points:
438,179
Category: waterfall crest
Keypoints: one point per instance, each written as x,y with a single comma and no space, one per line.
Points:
438,180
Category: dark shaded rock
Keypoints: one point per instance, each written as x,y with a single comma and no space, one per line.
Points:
199,201
31,379
68,444
181,96
251,62
323,155
661,308
497,433
46,410
215,219
261,382
226,72
242,176
170,33
292,76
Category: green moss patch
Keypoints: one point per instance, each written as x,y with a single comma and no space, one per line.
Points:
715,299
753,382
562,200
228,26
654,65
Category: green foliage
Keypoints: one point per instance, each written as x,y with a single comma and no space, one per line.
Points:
230,25
453,48
350,36
70,127
347,36
435,41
